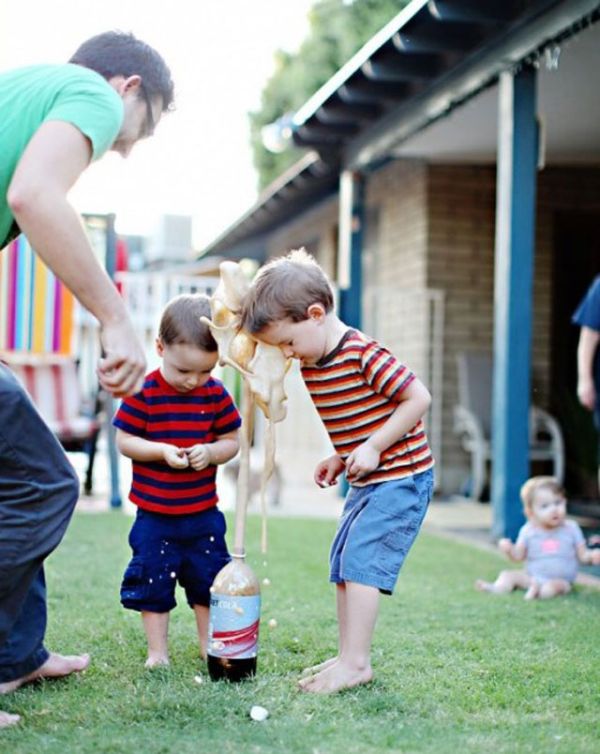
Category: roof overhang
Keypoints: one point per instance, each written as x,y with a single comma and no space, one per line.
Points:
307,182
434,56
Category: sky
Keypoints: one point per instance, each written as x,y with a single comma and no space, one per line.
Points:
220,52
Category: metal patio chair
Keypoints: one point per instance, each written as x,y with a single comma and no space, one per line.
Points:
472,421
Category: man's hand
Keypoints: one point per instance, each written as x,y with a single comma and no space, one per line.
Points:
328,471
362,461
121,371
176,458
586,392
199,456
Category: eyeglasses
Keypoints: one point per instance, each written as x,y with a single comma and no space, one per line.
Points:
150,122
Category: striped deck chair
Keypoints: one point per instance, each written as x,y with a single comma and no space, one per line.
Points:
53,384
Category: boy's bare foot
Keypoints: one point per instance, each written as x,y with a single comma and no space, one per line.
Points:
156,661
336,677
318,668
7,719
485,586
56,666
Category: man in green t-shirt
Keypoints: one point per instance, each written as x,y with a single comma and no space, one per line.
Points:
56,120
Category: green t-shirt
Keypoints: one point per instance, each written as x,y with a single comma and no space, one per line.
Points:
30,96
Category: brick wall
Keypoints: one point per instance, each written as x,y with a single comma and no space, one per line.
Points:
461,221
461,211
432,227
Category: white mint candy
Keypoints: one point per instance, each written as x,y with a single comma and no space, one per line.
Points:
259,713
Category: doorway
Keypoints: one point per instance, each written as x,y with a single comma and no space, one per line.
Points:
576,263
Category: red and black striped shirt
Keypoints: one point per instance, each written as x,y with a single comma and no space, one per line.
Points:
355,389
160,413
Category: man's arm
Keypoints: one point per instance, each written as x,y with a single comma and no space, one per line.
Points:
586,349
52,162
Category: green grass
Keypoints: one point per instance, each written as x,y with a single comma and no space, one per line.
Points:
456,671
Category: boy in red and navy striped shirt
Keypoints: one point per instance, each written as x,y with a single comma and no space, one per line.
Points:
176,430
372,407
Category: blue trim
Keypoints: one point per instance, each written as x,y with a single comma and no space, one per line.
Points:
350,304
515,234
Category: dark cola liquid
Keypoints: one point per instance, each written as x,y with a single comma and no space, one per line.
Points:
233,624
225,668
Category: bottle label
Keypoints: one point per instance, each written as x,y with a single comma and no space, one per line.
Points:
233,626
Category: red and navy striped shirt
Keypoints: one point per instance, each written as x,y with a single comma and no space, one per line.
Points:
160,413
356,388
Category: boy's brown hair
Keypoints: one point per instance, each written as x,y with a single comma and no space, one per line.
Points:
284,289
531,486
181,323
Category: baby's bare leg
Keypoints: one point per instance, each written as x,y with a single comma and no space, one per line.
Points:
506,582
340,597
201,612
156,626
353,666
554,588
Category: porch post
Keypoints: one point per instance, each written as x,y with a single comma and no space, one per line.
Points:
113,455
513,278
351,221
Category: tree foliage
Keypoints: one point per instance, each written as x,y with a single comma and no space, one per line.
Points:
338,29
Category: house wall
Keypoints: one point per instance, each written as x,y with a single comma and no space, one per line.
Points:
431,228
461,221
315,229
396,199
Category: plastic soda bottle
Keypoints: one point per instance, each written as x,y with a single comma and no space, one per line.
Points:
234,618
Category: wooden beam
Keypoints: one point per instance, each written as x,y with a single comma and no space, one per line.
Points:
489,12
449,37
403,68
344,112
364,91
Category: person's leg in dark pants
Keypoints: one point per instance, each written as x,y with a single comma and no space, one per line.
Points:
38,492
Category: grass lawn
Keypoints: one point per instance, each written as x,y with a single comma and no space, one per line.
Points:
456,671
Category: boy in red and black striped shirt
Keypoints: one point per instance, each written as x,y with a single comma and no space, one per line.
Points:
176,430
372,407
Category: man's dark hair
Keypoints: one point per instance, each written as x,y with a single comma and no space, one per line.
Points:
118,53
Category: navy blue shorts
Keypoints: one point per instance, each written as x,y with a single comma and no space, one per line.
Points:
167,550
379,523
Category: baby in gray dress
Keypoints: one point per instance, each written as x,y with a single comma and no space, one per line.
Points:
551,546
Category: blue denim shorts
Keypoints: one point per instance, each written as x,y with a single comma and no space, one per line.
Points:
379,523
167,550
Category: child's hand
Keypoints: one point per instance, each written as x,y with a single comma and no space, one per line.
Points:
362,461
328,471
199,457
505,546
595,557
175,457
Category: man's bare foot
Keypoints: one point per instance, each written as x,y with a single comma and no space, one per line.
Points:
336,677
7,719
320,667
56,666
156,661
485,586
